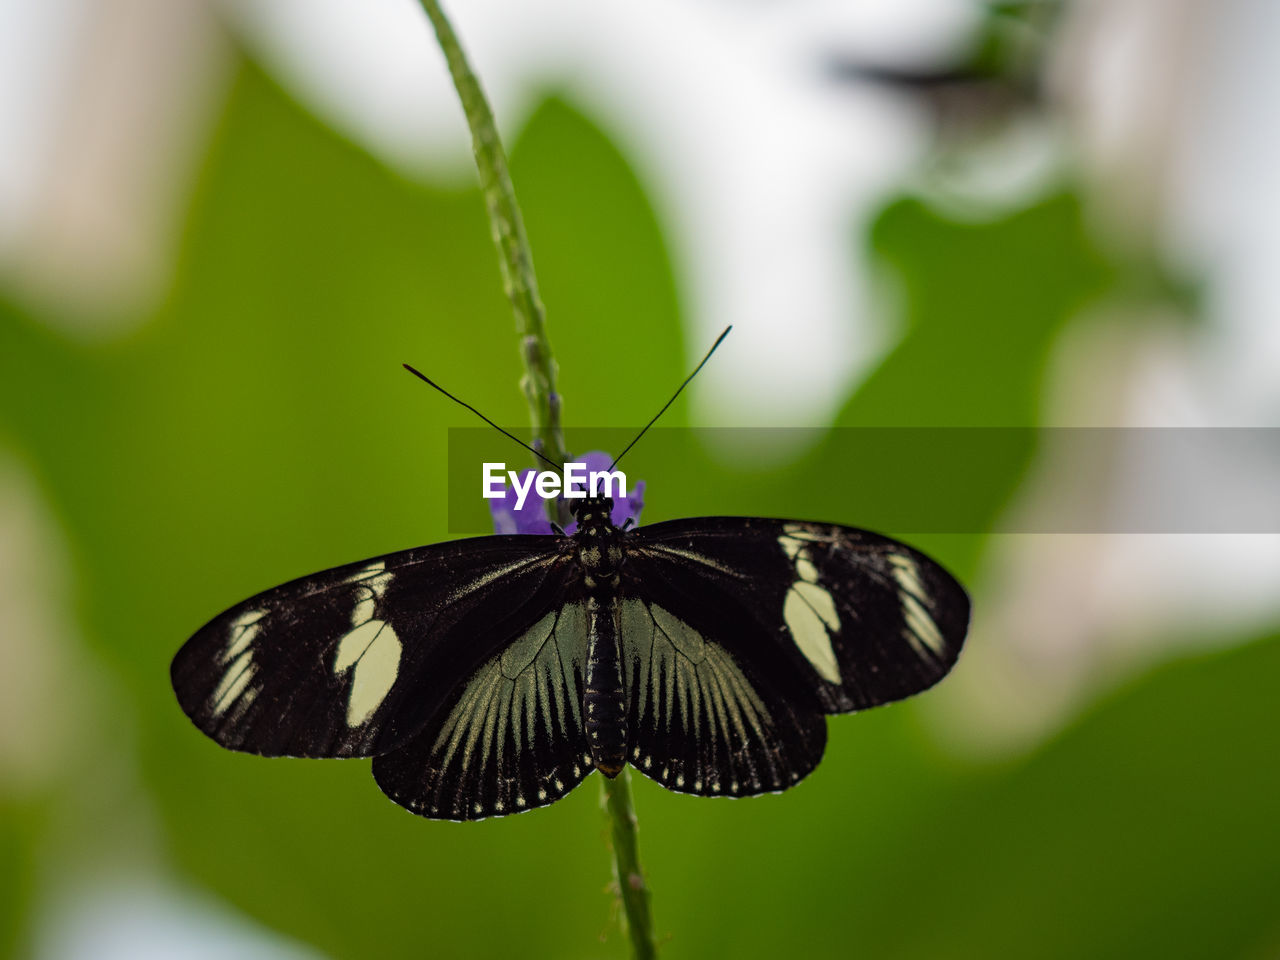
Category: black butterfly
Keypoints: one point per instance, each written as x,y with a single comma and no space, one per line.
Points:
490,676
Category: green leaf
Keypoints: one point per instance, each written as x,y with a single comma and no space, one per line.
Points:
259,428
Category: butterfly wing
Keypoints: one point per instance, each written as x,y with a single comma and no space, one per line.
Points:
354,661
703,719
791,620
509,739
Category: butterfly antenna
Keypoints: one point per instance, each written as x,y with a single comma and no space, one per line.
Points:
719,340
431,383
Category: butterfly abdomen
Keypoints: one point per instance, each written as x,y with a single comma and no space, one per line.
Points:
604,703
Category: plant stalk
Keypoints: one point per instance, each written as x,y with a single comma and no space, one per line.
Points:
632,887
507,227
539,387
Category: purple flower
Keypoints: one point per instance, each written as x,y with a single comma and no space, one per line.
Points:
532,517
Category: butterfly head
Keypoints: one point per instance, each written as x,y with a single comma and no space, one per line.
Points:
593,512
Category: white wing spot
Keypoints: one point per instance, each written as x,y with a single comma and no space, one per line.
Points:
791,546
375,672
362,612
805,569
907,574
795,536
801,531
921,625
243,630
542,793
921,628
375,577
809,609
808,616
353,645
819,598
233,683
248,697
372,647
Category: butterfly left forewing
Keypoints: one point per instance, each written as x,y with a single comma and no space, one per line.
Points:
353,661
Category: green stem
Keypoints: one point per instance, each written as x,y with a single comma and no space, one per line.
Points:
626,863
518,280
539,386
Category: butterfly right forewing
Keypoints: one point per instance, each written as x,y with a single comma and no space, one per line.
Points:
835,615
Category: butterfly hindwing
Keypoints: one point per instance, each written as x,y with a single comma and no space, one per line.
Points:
353,661
835,616
701,721
510,739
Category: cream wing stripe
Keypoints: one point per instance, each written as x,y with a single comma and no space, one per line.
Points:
243,631
375,674
922,632
809,610
808,629
233,683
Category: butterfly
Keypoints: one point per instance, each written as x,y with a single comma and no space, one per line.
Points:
489,676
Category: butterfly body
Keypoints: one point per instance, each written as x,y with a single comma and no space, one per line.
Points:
600,554
604,699
490,676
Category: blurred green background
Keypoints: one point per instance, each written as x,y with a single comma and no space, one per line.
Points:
257,427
